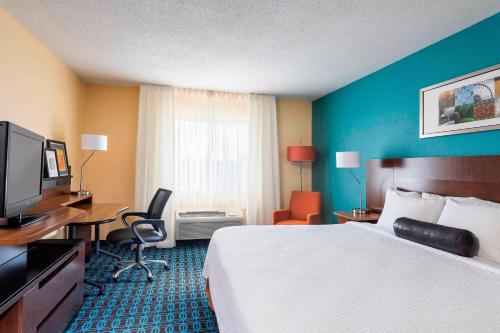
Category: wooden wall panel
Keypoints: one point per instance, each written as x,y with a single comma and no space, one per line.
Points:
464,176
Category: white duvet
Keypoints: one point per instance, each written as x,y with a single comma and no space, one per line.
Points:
345,278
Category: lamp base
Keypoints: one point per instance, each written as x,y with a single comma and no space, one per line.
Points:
360,211
81,192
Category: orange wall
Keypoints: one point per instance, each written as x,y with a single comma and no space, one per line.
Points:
294,128
37,90
112,111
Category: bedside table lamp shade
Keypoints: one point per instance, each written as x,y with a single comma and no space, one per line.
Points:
351,160
301,154
348,159
93,142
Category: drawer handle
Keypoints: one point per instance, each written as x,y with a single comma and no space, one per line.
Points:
57,270
57,306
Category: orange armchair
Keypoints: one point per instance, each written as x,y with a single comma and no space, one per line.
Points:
304,209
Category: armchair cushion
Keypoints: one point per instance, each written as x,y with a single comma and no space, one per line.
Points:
304,203
291,222
304,209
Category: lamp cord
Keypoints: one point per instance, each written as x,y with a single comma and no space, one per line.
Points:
81,168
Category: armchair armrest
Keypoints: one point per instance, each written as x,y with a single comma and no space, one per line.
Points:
314,218
156,224
138,214
280,215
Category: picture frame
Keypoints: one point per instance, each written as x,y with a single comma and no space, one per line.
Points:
61,155
51,168
469,103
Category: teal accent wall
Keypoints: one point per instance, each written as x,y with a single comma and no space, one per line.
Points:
378,115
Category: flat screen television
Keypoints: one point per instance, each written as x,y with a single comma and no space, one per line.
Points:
21,174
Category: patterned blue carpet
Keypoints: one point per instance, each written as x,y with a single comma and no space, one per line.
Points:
174,302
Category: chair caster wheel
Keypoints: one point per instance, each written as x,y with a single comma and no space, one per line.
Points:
151,279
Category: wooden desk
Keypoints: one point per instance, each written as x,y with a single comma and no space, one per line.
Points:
344,217
60,196
96,214
48,303
58,218
61,210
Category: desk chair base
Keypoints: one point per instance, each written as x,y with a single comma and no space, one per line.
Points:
139,263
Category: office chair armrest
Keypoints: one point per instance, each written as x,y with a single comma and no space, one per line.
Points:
157,225
138,214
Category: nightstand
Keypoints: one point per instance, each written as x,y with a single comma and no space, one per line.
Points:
347,216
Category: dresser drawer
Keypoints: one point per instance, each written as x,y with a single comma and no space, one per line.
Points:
64,311
43,301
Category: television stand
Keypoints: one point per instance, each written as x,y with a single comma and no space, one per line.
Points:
21,221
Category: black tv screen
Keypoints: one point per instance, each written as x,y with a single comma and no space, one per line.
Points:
21,169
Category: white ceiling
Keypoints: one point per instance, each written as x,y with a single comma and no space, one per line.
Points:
284,47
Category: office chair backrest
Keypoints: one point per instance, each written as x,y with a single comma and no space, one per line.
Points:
157,205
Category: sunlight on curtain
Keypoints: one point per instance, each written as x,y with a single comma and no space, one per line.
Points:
211,150
214,150
155,151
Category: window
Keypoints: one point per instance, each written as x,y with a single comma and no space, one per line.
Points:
211,140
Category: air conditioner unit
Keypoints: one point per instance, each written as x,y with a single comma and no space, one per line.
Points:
202,224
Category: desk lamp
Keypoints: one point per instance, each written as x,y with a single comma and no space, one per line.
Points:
93,142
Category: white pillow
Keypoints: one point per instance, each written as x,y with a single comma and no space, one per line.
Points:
475,201
404,193
426,195
469,200
480,217
396,206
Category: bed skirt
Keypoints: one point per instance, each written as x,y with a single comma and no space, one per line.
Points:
209,296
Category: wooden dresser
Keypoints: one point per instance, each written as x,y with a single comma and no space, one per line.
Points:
41,281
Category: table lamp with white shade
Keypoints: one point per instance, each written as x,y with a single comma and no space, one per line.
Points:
351,160
93,142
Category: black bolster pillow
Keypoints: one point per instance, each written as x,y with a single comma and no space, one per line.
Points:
458,241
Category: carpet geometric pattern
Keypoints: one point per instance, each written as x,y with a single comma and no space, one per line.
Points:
174,302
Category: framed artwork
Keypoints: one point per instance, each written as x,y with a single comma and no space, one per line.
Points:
470,103
51,169
61,156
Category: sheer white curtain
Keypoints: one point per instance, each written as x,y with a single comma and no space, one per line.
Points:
210,149
214,150
263,160
155,151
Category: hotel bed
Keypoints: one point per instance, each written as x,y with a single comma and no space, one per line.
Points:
358,277
345,278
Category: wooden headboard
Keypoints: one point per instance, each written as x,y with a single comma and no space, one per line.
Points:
464,176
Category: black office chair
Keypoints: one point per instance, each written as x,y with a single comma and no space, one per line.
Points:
141,236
